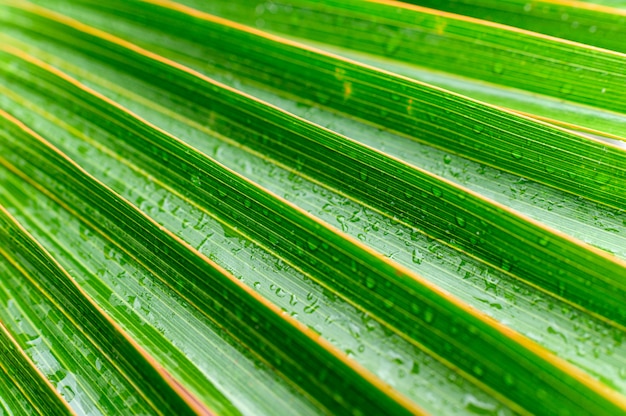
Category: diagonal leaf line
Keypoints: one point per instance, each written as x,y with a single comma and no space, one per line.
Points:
372,100
15,361
141,221
549,17
266,198
296,267
567,260
558,43
29,247
23,275
187,121
278,254
79,382
514,29
392,82
108,238
388,78
199,207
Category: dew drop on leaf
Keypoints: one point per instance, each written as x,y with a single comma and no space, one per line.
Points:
429,316
477,406
415,369
460,221
68,393
417,257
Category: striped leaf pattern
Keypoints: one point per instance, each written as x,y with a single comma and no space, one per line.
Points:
302,207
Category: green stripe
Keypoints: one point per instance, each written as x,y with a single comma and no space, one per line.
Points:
57,285
601,28
16,366
451,330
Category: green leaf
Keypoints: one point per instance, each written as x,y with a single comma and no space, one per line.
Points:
580,22
391,35
256,262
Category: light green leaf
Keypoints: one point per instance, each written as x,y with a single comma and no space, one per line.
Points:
576,82
222,203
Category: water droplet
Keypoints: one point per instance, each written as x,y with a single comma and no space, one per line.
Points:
477,406
417,257
68,393
309,309
408,195
566,89
478,370
313,245
556,330
363,175
517,154
437,192
447,159
508,379
429,316
370,282
195,179
415,308
543,241
415,369
498,68
460,221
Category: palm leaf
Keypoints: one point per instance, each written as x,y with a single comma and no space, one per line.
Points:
223,220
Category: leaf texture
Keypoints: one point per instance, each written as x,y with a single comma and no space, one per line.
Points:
225,221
